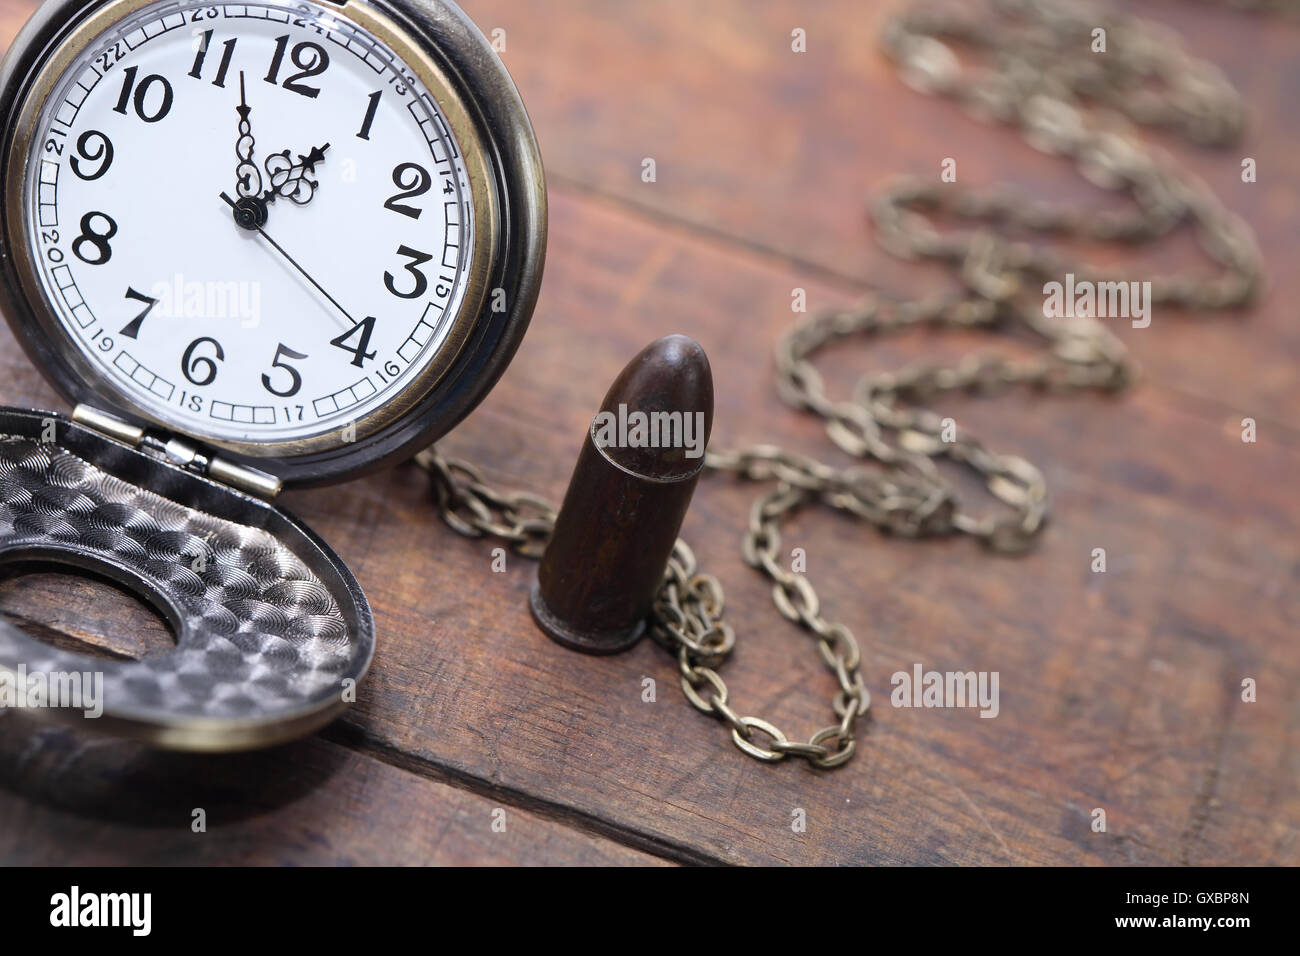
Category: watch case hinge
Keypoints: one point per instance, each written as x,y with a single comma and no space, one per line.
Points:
180,453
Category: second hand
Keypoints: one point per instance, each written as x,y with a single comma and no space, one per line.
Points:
293,262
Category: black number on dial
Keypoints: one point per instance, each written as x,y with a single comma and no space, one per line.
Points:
132,329
308,57
295,379
417,187
369,121
193,365
141,98
223,68
413,267
362,330
89,237
102,153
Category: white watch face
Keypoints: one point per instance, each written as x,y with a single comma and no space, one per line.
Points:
253,218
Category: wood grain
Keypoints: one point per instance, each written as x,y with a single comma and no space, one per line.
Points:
777,150
1099,673
68,799
1119,691
88,616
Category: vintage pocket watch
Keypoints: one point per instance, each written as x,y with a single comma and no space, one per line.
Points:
257,245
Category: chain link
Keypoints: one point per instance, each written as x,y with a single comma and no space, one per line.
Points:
1039,74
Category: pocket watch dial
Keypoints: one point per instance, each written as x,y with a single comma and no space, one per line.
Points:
257,222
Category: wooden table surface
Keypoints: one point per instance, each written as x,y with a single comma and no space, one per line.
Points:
1119,691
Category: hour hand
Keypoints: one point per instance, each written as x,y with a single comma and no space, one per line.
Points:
292,179
248,178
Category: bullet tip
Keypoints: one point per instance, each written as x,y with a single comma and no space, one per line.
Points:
670,384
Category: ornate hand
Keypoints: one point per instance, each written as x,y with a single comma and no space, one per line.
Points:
248,178
289,178
292,180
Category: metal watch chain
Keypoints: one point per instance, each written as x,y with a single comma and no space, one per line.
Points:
1040,72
